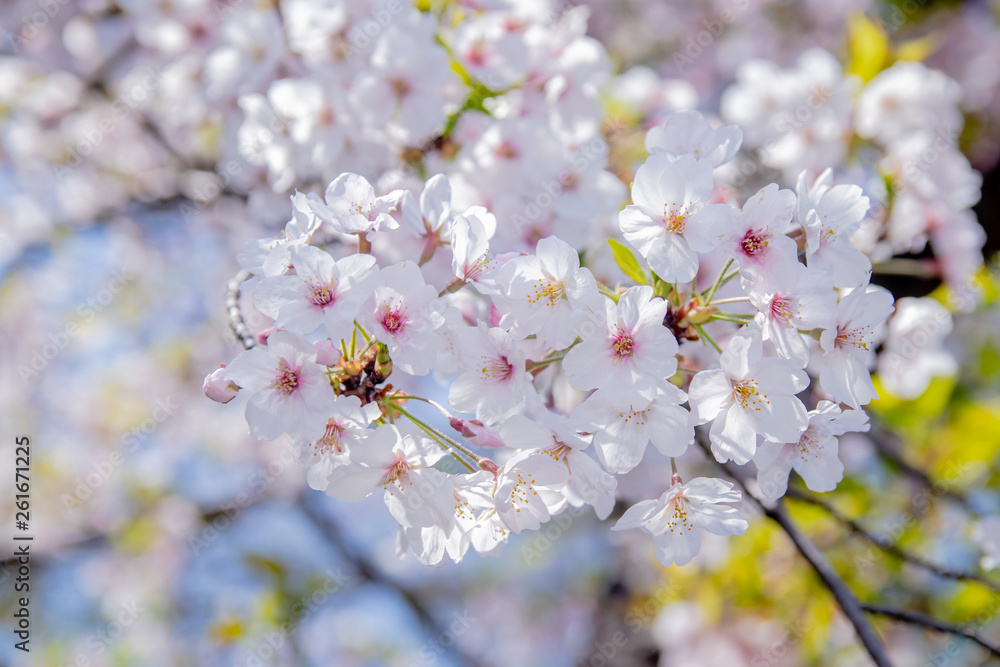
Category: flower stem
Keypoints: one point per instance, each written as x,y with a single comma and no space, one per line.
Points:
441,438
364,333
732,317
720,281
706,337
735,299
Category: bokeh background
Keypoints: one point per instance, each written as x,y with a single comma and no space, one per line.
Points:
165,535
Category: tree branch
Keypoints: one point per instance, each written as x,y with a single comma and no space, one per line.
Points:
369,571
828,575
887,545
889,450
914,618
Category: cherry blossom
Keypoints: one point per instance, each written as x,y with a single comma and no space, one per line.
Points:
813,456
677,518
750,395
404,313
848,348
322,291
625,351
671,219
288,390
542,291
351,206
688,133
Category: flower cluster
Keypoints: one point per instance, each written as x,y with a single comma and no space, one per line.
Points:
896,136
748,316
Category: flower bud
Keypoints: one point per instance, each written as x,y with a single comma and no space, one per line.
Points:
698,315
489,466
477,433
218,387
262,336
383,364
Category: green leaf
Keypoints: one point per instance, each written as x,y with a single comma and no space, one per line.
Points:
867,47
627,262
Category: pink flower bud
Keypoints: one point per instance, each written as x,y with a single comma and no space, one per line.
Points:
327,353
477,433
218,387
489,466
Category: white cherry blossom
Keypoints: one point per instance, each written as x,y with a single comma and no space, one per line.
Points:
751,395
677,518
813,456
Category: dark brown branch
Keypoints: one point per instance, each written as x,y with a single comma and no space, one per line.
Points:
914,618
842,593
890,547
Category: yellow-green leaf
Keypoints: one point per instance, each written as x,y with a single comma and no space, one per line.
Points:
918,49
627,262
867,47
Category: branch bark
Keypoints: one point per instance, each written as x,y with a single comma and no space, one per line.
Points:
890,547
842,593
914,618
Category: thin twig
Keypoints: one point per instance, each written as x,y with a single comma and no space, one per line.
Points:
890,451
890,547
929,622
842,593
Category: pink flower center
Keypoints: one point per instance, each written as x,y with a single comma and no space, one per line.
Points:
622,344
320,295
781,307
397,471
400,87
393,320
370,212
286,381
639,417
755,242
498,369
807,444
332,437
